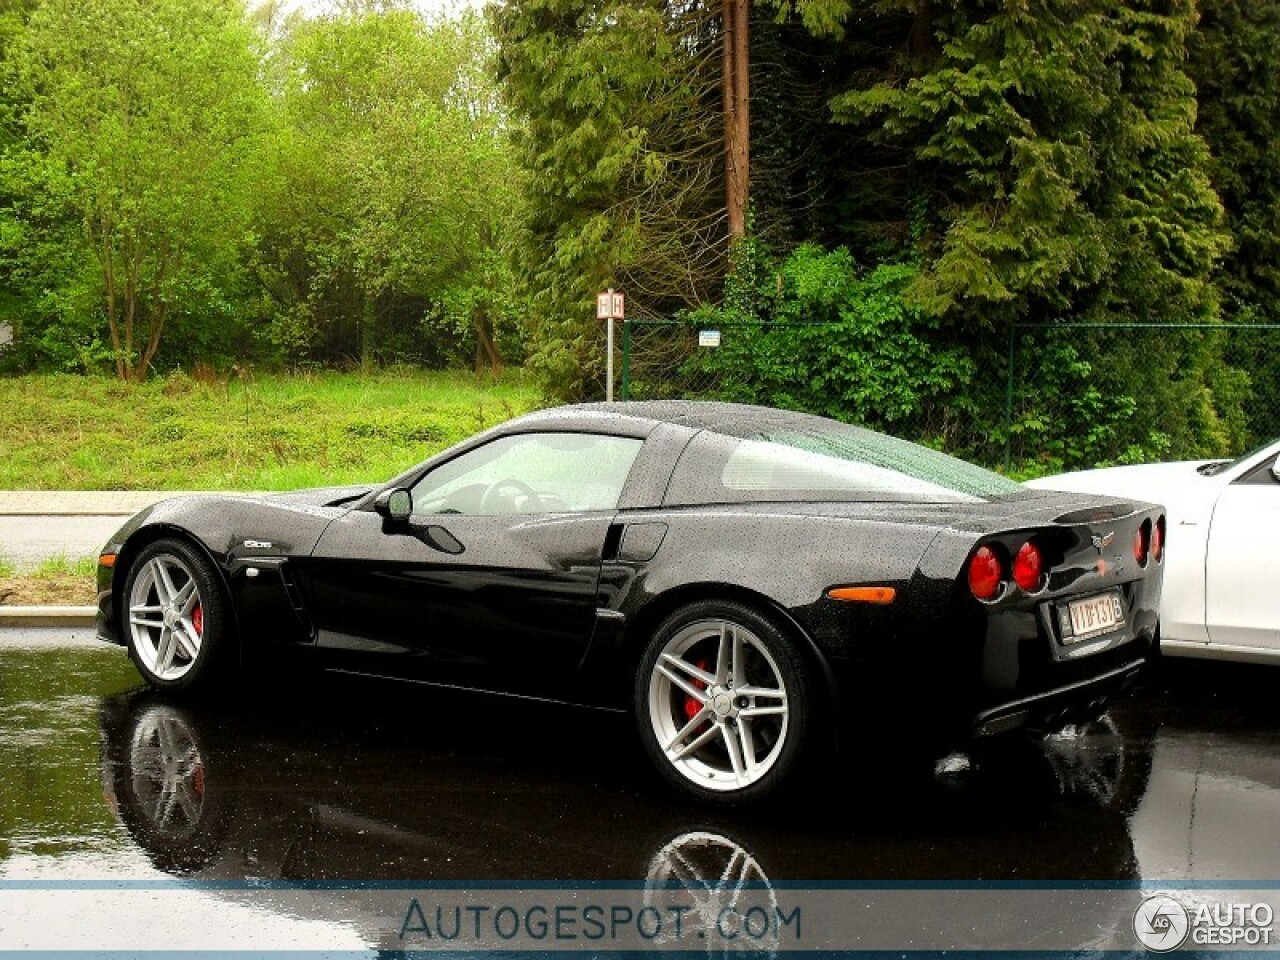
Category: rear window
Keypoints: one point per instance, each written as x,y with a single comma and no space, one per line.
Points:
835,462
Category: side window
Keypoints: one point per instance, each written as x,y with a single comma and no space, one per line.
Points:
530,473
715,468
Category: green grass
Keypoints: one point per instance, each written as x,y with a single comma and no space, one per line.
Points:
53,568
60,432
54,580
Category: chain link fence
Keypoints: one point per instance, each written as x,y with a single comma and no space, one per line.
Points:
1041,399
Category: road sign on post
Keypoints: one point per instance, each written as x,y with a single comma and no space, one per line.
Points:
610,306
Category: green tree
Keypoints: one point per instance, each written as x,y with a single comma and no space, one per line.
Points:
1053,143
395,201
1235,63
144,122
619,128
17,296
1057,137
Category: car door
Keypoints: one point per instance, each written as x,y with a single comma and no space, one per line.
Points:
1242,565
496,571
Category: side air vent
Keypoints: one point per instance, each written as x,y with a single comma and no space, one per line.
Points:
295,598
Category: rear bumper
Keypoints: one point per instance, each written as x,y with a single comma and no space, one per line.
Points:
1052,709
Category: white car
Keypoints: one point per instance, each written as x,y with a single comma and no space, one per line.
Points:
1221,597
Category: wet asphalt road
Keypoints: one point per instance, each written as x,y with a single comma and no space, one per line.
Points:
352,780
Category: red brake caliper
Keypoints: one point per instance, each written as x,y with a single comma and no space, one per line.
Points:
691,704
197,619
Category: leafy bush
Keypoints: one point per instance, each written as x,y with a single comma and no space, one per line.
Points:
822,338
812,332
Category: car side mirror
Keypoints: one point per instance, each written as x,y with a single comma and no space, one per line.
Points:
395,504
1275,469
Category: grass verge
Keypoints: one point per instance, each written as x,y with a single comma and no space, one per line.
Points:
56,581
61,432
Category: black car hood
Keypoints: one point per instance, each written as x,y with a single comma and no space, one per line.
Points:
320,496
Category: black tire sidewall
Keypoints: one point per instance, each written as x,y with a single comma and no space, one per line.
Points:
795,677
211,600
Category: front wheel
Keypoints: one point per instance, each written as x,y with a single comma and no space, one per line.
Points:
722,701
174,617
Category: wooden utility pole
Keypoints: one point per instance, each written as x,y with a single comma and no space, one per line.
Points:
737,113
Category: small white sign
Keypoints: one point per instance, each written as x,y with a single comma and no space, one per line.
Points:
610,306
708,338
6,334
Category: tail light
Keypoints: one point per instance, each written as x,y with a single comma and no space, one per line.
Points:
1027,567
1157,540
1141,545
986,573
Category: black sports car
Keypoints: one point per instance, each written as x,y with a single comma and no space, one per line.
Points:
750,583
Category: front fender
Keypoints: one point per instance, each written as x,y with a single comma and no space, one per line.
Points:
236,533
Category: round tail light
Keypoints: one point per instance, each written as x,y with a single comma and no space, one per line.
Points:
1140,545
1157,540
986,574
1028,566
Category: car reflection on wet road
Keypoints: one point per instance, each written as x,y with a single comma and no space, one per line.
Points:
339,780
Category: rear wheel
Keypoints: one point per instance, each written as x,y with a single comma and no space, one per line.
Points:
722,701
174,616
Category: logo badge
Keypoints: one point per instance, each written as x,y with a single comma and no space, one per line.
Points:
1161,923
1105,540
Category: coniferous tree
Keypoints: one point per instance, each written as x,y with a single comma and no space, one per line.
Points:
1235,63
1064,181
1057,139
621,136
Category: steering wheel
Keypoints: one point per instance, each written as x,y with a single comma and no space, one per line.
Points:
500,490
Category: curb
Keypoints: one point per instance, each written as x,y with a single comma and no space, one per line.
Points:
48,616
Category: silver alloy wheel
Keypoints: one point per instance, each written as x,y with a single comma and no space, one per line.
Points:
166,617
167,772
718,705
719,882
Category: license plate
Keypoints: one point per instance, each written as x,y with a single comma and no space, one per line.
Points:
1093,616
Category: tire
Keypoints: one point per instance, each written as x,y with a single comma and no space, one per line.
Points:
707,740
167,799
174,616
717,879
